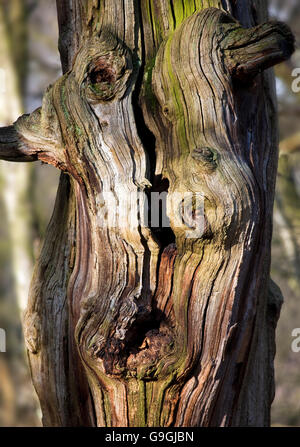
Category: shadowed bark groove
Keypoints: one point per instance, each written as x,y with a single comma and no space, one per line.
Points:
120,327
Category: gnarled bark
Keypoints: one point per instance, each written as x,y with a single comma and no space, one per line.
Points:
131,325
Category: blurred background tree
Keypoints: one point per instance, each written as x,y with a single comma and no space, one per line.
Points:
286,236
29,61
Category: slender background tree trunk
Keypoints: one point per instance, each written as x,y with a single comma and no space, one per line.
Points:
130,325
16,219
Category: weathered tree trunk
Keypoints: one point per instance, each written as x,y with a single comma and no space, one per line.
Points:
129,325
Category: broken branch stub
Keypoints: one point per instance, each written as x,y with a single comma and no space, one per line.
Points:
250,51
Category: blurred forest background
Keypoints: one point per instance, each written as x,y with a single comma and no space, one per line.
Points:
29,62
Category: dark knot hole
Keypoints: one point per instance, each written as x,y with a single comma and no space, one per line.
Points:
102,72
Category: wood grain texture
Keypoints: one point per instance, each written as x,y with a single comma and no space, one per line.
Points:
128,324
200,110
